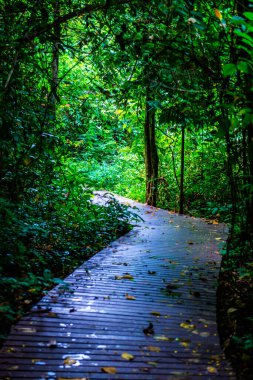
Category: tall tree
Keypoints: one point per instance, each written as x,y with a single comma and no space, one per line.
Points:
151,156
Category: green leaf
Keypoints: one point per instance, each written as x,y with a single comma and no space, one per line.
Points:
248,15
229,69
243,67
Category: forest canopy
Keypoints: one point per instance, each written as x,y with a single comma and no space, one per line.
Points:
148,99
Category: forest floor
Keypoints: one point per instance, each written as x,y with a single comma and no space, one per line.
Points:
142,308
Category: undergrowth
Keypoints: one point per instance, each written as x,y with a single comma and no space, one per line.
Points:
43,243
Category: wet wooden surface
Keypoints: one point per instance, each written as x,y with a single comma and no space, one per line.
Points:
163,272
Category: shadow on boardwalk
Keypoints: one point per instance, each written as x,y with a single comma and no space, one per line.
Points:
143,308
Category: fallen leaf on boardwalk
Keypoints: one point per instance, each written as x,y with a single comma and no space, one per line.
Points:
156,313
186,325
204,334
130,298
12,368
218,238
152,363
126,277
154,349
127,356
184,344
110,370
52,315
26,329
161,337
11,349
69,361
52,343
211,369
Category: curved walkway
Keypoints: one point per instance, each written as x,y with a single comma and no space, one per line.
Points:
143,308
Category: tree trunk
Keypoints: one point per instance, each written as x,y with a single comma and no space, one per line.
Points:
151,156
181,202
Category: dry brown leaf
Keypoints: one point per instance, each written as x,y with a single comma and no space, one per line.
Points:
125,277
156,313
154,349
69,361
129,297
110,370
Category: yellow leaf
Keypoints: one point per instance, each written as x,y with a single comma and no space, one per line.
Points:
184,344
156,313
69,361
218,14
154,349
161,337
130,298
186,325
211,369
110,370
127,356
127,277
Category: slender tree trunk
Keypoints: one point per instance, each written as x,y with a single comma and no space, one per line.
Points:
181,201
151,156
55,63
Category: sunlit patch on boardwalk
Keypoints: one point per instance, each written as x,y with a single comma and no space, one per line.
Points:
143,308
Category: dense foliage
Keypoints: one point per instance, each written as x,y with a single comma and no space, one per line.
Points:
151,100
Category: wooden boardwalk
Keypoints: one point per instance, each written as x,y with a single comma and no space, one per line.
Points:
99,326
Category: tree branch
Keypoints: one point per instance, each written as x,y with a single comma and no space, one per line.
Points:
40,29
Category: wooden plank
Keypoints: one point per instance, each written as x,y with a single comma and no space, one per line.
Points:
174,265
